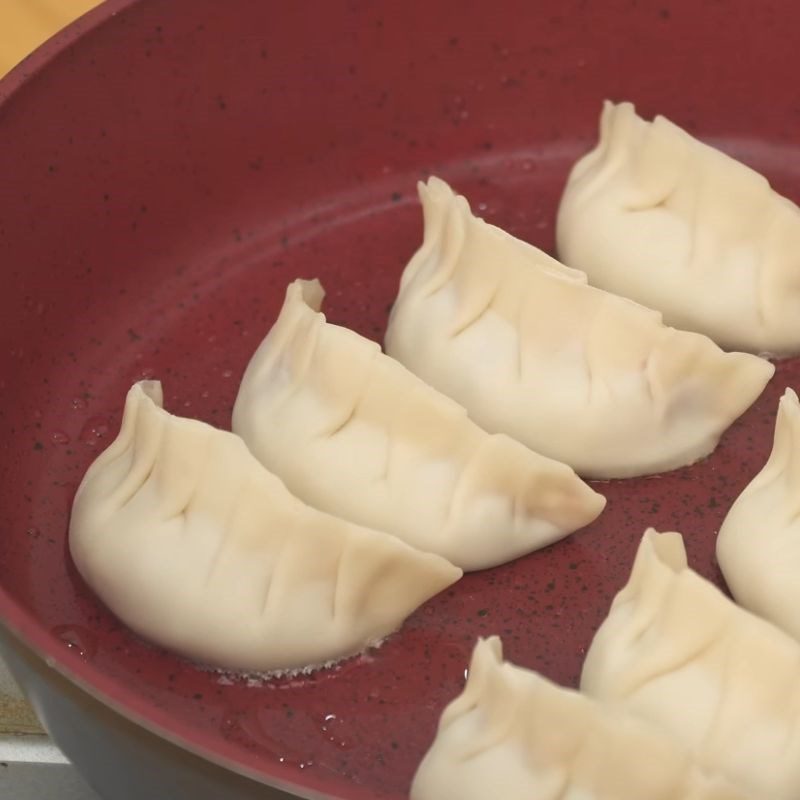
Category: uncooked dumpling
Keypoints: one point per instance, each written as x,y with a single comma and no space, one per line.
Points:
655,215
513,735
758,547
196,546
573,372
677,652
353,432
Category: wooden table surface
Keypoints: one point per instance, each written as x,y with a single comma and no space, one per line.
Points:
25,24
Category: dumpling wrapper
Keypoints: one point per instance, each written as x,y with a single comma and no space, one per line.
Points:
354,433
677,652
573,372
197,547
514,735
758,546
658,216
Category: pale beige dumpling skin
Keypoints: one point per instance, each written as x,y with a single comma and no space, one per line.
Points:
354,433
758,546
513,735
575,373
658,216
197,547
675,651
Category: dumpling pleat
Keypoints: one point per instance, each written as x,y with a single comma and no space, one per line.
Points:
196,546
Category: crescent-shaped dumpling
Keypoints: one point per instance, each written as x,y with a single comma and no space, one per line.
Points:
758,547
573,372
354,433
677,652
514,735
197,547
658,216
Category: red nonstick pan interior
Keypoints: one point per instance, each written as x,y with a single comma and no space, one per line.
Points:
166,168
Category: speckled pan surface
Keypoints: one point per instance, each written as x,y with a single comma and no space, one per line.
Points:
167,167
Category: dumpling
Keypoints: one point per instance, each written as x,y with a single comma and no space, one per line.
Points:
758,547
574,373
194,545
655,215
513,735
388,451
678,653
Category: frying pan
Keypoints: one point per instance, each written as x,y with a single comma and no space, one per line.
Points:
166,168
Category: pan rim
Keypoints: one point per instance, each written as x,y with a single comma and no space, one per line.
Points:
23,626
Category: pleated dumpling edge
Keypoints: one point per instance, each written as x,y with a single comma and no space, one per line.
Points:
758,545
573,372
197,547
675,651
658,216
391,452
513,734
